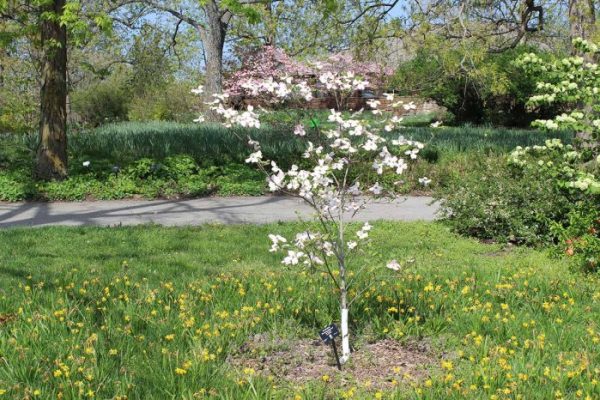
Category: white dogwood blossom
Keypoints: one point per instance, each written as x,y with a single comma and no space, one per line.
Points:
255,157
394,265
299,130
327,181
199,90
425,181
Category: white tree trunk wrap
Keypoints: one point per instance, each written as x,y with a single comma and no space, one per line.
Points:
345,337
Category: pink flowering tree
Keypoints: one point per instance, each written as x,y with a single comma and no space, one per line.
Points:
329,246
374,73
275,64
268,61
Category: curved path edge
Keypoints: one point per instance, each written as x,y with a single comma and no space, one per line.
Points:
224,210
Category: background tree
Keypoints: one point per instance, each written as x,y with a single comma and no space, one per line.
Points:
211,20
52,148
45,23
582,19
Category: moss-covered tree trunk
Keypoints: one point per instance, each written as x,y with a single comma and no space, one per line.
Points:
52,149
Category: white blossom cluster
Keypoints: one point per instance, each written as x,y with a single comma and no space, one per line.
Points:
569,82
326,186
567,161
330,185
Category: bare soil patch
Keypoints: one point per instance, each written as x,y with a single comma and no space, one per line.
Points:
6,318
379,365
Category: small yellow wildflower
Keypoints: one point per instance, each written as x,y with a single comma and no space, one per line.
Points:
447,365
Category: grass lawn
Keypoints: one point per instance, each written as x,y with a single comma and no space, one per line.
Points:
154,313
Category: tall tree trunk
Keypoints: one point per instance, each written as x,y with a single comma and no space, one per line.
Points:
213,39
52,148
582,18
271,25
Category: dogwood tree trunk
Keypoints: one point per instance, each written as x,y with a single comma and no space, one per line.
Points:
344,323
344,306
52,148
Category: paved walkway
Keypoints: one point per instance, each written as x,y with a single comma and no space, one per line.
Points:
229,210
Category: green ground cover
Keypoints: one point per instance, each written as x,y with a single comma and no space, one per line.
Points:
152,312
171,160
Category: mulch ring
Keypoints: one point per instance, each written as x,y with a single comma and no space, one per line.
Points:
378,365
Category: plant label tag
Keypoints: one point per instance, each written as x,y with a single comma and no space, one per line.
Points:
329,333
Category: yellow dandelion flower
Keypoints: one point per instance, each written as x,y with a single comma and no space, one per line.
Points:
180,371
447,365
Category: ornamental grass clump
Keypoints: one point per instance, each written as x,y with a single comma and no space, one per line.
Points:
326,181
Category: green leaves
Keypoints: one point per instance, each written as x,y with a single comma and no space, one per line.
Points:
248,11
103,22
80,23
573,84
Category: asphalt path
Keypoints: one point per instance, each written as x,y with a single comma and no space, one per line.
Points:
224,210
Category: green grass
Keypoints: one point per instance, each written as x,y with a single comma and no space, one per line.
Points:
91,309
214,144
218,156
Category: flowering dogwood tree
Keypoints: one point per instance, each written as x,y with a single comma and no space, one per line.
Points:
574,84
329,245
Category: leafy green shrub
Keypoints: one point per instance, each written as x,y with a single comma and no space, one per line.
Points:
102,102
524,199
494,203
15,186
581,239
571,84
170,103
488,89
19,113
19,93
